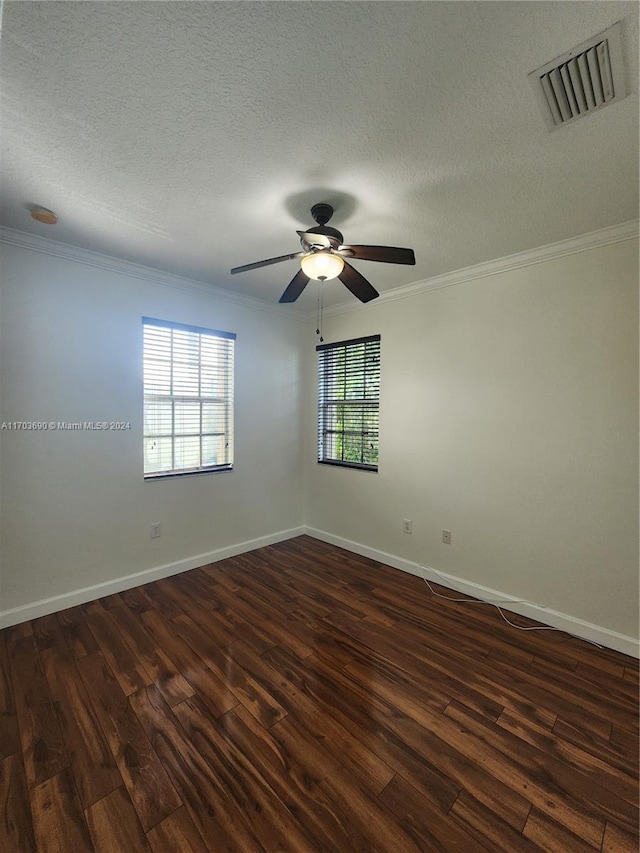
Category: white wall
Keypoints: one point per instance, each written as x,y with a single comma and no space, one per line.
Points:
75,509
509,415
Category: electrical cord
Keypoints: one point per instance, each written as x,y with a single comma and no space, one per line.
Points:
494,603
491,603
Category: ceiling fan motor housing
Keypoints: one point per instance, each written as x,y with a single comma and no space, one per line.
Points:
335,237
322,213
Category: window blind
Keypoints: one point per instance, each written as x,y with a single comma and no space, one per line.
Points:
348,402
188,399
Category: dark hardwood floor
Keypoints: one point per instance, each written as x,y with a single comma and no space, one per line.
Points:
301,698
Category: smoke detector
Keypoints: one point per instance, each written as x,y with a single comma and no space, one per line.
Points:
42,214
585,79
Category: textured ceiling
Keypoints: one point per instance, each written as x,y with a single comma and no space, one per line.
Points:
193,137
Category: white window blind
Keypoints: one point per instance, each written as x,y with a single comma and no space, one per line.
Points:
188,399
348,403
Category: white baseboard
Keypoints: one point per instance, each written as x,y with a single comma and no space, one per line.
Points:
554,618
81,596
562,621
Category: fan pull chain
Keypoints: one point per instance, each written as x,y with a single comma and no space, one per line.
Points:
319,313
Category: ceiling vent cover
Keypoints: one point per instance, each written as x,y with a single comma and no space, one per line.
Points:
586,78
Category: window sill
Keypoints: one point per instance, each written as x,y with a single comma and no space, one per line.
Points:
356,465
195,472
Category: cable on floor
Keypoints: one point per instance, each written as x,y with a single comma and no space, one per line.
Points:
494,603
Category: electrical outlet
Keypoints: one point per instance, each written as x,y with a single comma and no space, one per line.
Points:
407,525
446,537
155,530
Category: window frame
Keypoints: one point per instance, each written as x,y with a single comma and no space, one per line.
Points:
356,369
225,347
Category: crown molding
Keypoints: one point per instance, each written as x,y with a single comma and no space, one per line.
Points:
592,240
45,245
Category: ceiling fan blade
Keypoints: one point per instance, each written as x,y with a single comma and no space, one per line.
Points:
314,239
383,254
357,284
295,287
266,263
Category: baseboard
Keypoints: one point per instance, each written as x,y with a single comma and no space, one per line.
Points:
81,596
554,618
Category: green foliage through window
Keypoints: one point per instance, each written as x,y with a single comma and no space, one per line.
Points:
348,402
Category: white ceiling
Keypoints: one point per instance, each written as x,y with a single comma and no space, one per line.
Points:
193,137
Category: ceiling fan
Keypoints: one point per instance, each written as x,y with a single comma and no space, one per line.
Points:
324,255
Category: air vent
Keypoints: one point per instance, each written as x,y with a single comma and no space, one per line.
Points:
585,79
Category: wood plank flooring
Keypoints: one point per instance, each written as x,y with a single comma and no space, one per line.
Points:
301,699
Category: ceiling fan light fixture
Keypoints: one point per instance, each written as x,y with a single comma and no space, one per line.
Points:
322,259
322,266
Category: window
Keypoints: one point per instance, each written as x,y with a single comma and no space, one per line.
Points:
188,399
348,402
